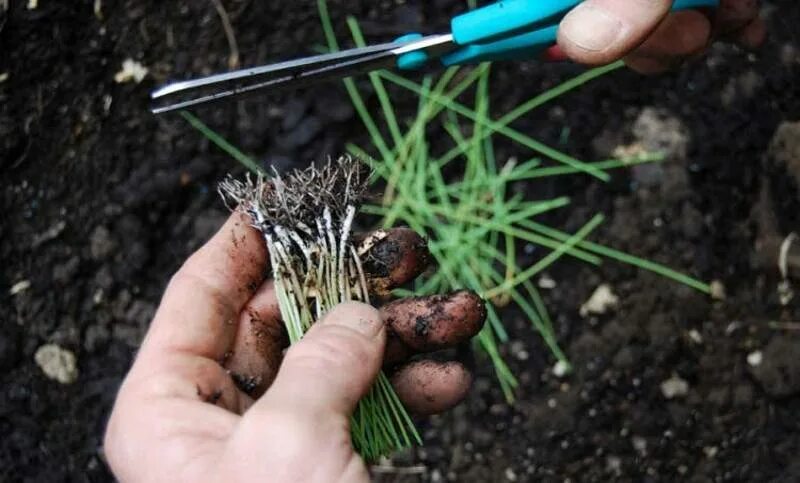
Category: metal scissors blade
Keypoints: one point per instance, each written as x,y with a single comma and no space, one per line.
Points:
293,73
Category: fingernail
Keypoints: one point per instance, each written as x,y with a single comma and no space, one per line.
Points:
360,317
591,28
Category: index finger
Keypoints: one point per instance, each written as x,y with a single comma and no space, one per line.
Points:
200,307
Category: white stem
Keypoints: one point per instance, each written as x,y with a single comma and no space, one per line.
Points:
295,284
289,309
324,277
361,277
344,285
334,280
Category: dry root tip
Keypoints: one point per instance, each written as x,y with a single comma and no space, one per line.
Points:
298,199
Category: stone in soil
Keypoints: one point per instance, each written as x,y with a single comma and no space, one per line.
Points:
785,147
674,387
660,131
57,363
601,301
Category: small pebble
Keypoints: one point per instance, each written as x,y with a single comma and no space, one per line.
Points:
131,71
732,327
20,287
695,336
754,358
510,475
517,349
601,301
57,364
547,283
717,290
614,464
560,369
674,387
639,444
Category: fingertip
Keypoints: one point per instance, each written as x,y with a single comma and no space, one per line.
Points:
602,31
435,322
753,35
393,258
428,387
360,317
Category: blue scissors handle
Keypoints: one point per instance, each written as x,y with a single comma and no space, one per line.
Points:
506,30
514,30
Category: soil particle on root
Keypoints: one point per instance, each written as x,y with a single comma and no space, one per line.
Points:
421,327
674,387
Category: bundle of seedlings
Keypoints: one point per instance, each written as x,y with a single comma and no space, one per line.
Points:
306,219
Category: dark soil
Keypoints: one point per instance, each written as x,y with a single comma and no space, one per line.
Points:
102,201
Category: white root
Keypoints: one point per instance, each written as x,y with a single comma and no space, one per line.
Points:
306,219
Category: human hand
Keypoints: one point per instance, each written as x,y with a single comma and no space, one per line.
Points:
211,396
648,37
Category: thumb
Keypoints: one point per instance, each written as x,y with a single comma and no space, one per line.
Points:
334,365
602,31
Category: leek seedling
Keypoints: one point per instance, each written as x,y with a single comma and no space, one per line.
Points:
306,219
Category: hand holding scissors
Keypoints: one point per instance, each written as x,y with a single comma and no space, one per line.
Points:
594,31
648,36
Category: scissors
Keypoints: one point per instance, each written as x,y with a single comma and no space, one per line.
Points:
505,30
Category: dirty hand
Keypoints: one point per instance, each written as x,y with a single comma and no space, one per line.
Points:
211,395
650,39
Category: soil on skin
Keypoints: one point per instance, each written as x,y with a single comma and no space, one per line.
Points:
101,202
